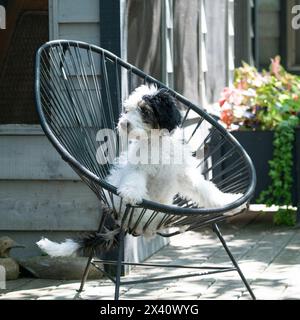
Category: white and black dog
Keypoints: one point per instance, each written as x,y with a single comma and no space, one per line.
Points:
149,125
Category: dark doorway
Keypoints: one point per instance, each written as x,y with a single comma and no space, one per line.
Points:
27,27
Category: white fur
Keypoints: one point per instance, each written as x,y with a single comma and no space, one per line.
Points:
53,249
136,96
130,111
159,182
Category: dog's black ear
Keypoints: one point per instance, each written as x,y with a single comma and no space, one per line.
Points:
165,109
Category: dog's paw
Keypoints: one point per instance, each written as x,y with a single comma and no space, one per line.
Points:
131,196
130,200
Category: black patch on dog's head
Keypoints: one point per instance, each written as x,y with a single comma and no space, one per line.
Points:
161,111
148,115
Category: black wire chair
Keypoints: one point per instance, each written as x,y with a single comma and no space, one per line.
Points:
79,90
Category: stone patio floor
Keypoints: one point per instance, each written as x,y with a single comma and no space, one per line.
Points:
268,255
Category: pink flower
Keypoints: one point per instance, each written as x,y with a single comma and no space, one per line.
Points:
227,92
225,95
242,84
236,97
221,102
275,66
227,116
231,95
259,81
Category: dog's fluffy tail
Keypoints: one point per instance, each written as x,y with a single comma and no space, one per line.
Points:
54,249
83,246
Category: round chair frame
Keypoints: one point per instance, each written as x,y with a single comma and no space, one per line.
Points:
79,89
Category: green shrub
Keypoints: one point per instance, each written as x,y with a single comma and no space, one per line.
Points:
267,101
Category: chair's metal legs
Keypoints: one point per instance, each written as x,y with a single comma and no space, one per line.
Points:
89,262
119,265
86,272
218,233
120,259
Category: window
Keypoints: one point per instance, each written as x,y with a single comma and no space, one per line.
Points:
26,29
293,39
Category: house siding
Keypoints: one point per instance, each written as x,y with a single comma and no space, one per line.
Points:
39,192
40,195
219,47
75,19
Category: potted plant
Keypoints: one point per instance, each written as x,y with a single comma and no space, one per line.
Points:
262,111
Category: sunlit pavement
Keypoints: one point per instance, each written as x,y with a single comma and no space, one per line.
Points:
268,255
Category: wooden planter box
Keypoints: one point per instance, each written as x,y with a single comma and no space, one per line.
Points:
259,146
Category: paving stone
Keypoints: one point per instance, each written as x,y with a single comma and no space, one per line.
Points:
269,257
13,285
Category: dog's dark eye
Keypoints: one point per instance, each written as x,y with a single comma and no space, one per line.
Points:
144,111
